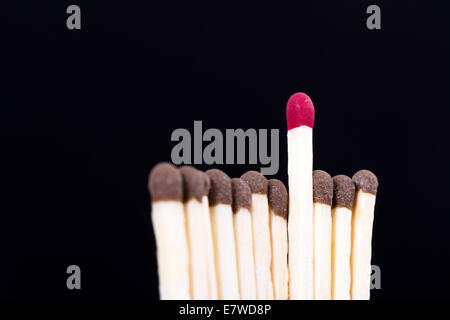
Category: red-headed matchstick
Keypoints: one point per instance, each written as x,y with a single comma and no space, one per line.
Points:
300,121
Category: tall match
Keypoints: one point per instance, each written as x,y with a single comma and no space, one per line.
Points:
194,189
166,188
323,196
261,233
278,198
242,199
343,195
362,221
300,121
220,200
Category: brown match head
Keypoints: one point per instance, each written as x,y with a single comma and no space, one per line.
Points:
165,183
256,181
194,183
322,187
278,197
366,181
206,183
220,191
242,195
343,191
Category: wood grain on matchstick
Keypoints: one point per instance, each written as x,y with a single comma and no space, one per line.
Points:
323,194
362,221
220,199
244,238
195,189
166,188
278,198
343,195
261,233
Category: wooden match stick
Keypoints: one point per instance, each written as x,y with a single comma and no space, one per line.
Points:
166,188
278,198
362,221
211,270
242,198
194,188
300,121
323,196
220,199
341,213
261,233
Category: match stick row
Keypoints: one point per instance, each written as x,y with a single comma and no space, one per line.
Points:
222,238
219,238
228,238
342,232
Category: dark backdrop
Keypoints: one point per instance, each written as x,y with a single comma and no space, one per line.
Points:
86,114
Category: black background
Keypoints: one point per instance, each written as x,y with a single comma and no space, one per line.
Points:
86,114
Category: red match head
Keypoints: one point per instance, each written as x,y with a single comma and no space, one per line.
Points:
299,111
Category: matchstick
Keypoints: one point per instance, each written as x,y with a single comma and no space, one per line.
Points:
323,196
166,188
300,121
362,220
278,198
211,270
244,238
261,233
220,199
194,188
341,213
